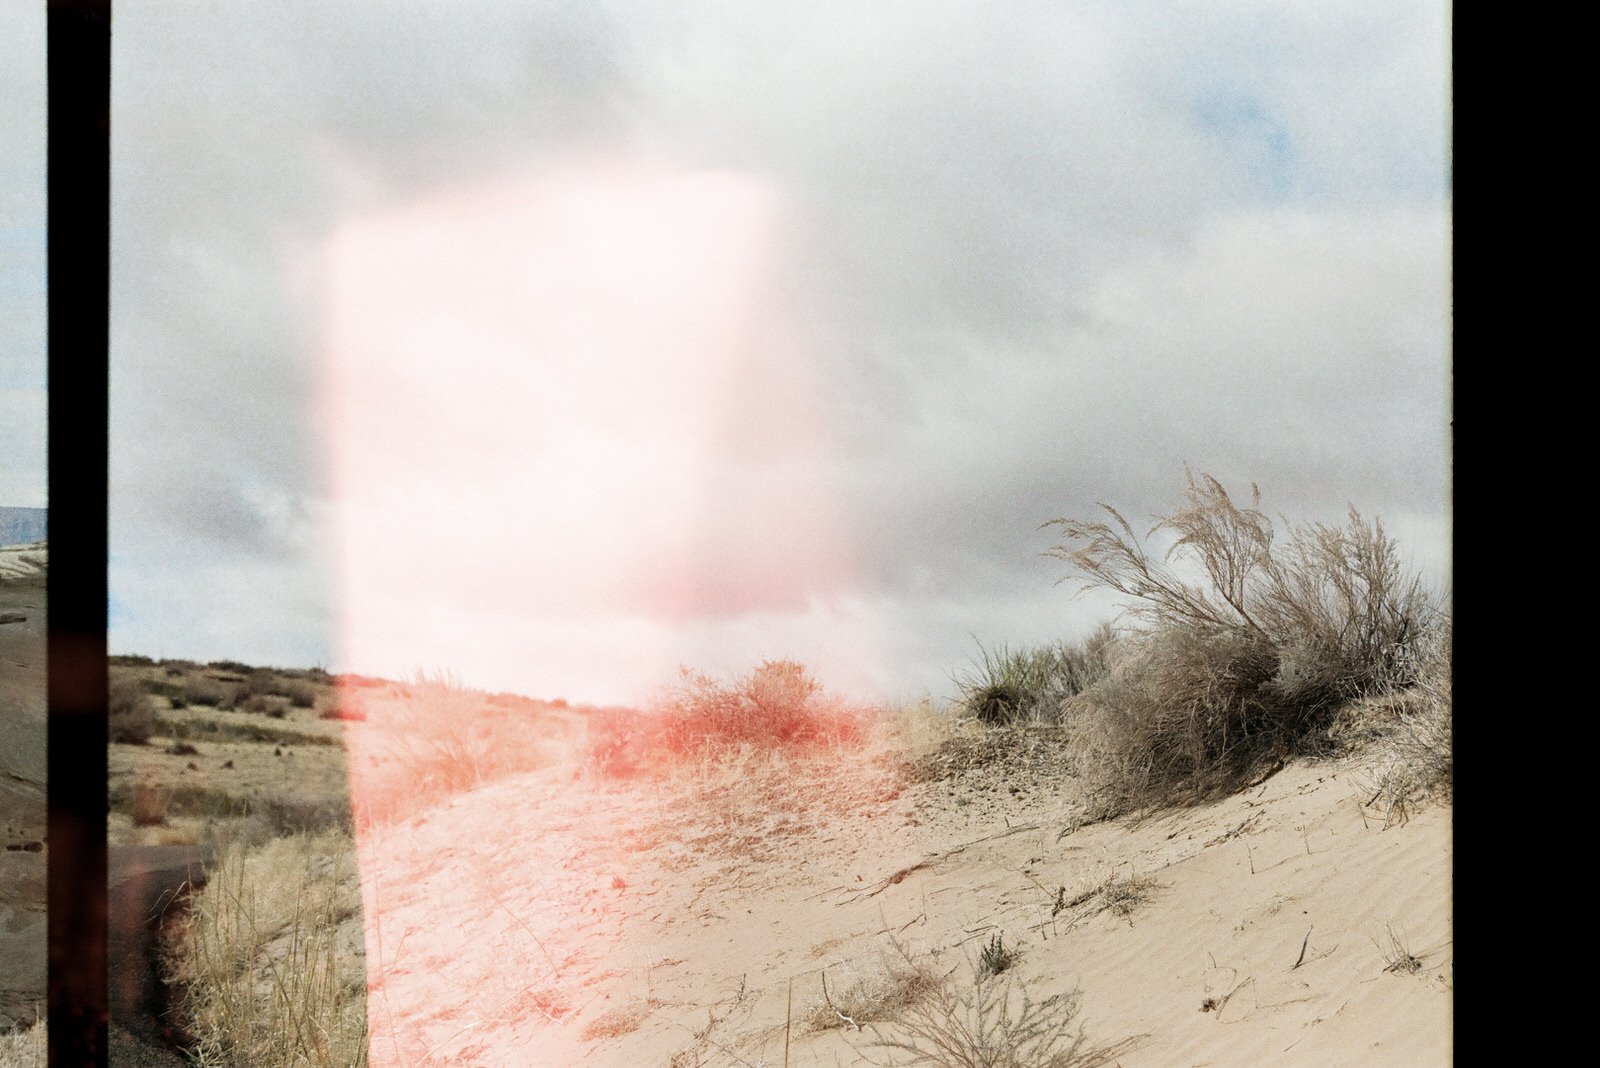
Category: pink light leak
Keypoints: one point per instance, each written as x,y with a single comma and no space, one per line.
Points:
566,413
573,444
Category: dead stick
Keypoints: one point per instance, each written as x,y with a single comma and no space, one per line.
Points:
1301,959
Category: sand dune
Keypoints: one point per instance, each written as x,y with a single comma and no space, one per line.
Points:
691,921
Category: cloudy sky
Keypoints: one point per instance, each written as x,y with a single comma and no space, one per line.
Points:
22,257
557,344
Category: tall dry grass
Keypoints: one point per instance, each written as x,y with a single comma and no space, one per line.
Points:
273,962
25,1047
1247,644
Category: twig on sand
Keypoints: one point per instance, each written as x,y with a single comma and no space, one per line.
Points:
1302,958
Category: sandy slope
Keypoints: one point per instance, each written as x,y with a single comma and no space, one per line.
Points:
556,919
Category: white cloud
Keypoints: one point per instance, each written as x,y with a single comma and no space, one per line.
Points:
1017,260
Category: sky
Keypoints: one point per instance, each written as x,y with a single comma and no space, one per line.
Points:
22,258
560,344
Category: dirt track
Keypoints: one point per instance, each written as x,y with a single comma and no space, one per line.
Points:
143,884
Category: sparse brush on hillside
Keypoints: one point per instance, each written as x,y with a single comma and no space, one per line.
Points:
1248,662
777,706
1032,685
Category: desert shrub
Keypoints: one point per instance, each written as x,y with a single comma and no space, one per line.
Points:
231,666
992,1024
1247,663
995,958
130,660
203,691
300,694
1409,736
777,706
262,705
131,718
1033,685
875,993
345,705
148,805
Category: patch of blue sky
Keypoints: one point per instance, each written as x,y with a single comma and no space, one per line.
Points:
1278,169
1260,142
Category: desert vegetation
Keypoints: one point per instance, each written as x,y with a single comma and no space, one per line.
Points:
25,1048
1243,651
1247,643
1032,685
132,717
272,974
777,707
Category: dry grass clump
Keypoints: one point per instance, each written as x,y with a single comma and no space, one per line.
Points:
886,992
1125,893
25,1048
1246,662
131,716
1032,685
273,969
778,706
1409,736
994,1023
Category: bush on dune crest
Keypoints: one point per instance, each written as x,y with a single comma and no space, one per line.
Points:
1249,662
778,706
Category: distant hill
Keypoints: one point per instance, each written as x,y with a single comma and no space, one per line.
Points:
20,526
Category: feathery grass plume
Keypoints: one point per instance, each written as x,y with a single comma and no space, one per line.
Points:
1247,663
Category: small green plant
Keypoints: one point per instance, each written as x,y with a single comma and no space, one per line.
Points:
995,958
